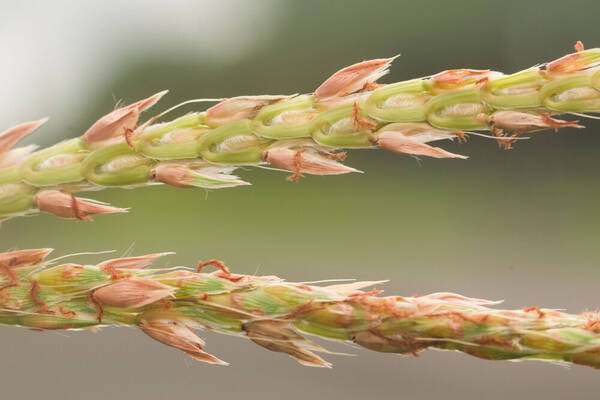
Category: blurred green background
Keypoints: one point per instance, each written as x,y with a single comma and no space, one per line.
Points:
518,225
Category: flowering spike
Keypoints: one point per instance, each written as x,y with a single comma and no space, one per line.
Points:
275,314
68,206
177,335
121,121
132,292
353,78
13,135
304,133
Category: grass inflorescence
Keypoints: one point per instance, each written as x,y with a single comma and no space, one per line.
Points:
169,303
302,134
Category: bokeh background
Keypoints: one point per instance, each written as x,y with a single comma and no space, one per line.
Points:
519,225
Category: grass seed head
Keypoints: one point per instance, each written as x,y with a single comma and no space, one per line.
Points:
303,134
276,315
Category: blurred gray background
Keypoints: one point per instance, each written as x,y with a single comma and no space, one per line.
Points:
519,225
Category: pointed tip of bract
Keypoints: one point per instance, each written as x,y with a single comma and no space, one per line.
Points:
42,121
206,357
138,262
346,289
148,102
12,136
460,299
31,126
317,363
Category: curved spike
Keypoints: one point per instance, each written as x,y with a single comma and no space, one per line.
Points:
275,314
201,149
